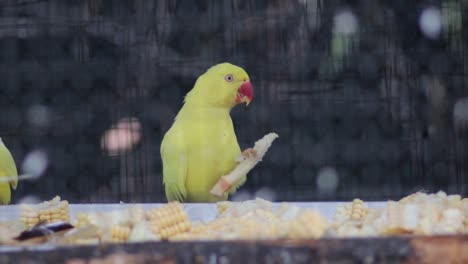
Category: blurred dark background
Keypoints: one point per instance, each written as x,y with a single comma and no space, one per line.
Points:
368,97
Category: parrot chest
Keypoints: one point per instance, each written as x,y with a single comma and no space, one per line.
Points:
216,146
211,154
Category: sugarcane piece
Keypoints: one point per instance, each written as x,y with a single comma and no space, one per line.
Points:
245,165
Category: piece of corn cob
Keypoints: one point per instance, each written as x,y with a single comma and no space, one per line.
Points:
465,205
210,231
28,215
309,224
119,233
142,232
465,213
127,217
168,220
453,202
286,212
60,212
371,225
49,211
349,229
256,220
452,221
236,209
429,217
137,214
262,225
88,234
188,236
244,228
357,210
82,220
223,206
10,229
416,197
258,224
401,218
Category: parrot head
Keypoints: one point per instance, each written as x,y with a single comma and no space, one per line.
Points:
223,85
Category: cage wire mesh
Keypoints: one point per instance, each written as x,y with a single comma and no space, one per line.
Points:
368,97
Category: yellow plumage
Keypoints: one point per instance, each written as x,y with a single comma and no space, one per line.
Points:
201,145
8,174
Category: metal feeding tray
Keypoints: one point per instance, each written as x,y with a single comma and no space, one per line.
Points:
406,249
394,249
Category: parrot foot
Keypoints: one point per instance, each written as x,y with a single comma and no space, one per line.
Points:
249,153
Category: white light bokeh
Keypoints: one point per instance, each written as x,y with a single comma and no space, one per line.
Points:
430,22
29,199
460,109
38,115
241,196
266,194
345,22
125,134
327,179
35,163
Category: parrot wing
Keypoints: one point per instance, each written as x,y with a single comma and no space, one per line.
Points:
174,159
7,165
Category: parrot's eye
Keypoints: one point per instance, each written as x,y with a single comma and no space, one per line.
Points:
229,78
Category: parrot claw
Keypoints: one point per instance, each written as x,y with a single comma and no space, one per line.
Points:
249,153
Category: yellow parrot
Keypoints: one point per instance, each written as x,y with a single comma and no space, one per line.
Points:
201,145
7,170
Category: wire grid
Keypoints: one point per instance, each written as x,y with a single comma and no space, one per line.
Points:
373,107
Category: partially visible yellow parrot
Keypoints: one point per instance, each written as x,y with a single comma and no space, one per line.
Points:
201,146
7,170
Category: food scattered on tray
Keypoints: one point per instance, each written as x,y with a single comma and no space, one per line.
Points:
45,212
112,226
419,214
257,219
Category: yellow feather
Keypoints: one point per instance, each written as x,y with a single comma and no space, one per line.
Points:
7,169
201,145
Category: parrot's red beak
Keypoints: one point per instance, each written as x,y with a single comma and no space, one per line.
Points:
245,93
